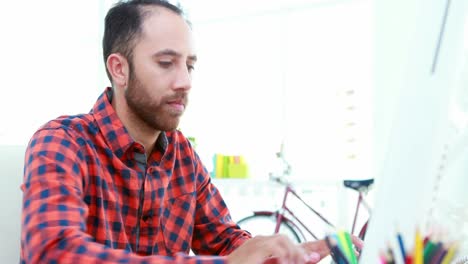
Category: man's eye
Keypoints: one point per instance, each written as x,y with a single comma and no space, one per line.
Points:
165,64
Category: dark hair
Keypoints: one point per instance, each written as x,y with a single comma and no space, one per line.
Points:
123,26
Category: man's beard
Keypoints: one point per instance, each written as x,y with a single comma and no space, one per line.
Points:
153,114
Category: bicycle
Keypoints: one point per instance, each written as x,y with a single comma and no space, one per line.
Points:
294,227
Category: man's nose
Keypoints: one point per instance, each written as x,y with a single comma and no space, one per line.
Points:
183,80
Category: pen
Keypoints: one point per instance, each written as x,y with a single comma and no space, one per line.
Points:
429,250
450,253
438,254
402,247
391,256
344,245
335,251
349,244
332,251
382,258
418,248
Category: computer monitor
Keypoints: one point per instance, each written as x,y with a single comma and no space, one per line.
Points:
421,146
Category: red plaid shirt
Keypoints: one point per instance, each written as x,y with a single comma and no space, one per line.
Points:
90,196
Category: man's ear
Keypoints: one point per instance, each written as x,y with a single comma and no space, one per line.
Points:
118,68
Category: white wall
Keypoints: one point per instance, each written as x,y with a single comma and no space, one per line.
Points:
51,63
11,175
286,74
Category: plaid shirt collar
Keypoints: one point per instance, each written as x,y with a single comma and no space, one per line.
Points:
115,134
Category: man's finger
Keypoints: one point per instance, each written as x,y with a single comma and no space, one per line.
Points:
313,257
357,242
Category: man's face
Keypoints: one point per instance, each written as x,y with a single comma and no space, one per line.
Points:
160,70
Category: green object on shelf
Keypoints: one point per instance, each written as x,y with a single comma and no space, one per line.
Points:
237,170
226,166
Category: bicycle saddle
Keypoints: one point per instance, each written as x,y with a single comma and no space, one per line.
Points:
358,185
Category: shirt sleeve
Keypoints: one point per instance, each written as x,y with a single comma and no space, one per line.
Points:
215,233
53,228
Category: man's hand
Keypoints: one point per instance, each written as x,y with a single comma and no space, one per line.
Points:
269,249
320,247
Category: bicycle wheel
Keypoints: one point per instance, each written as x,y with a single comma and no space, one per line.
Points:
265,225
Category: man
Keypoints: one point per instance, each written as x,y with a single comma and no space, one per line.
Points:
120,184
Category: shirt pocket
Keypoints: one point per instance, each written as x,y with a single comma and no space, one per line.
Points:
177,223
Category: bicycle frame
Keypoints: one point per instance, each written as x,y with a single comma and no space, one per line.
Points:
360,201
280,215
284,207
